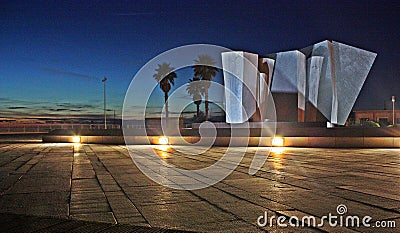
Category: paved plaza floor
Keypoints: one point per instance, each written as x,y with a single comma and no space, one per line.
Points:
101,184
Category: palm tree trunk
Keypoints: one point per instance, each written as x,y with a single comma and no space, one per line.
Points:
206,104
166,104
198,110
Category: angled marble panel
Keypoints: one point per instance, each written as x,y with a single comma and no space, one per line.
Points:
262,89
287,70
352,66
262,94
314,68
271,64
266,91
240,68
301,82
326,93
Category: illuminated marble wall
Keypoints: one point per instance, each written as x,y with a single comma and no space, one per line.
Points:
328,75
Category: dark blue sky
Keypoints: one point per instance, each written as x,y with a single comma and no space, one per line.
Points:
53,54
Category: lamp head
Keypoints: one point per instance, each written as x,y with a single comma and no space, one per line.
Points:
163,141
76,139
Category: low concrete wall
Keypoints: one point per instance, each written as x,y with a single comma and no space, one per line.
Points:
325,142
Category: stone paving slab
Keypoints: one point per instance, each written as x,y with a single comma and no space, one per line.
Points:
23,223
98,188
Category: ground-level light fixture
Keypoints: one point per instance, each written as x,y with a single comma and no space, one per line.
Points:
277,141
163,141
76,139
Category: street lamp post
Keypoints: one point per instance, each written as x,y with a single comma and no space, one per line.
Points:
105,114
393,100
114,120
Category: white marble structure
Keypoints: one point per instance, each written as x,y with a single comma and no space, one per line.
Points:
352,66
240,79
329,76
314,68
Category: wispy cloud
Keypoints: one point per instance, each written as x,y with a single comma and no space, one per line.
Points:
74,74
171,112
9,101
76,106
64,110
17,107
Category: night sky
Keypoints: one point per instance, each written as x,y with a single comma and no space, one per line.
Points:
54,54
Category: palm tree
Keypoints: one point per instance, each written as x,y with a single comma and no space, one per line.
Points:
165,77
196,90
206,70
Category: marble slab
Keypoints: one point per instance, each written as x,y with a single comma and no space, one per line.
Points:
314,68
352,66
240,78
288,67
325,92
